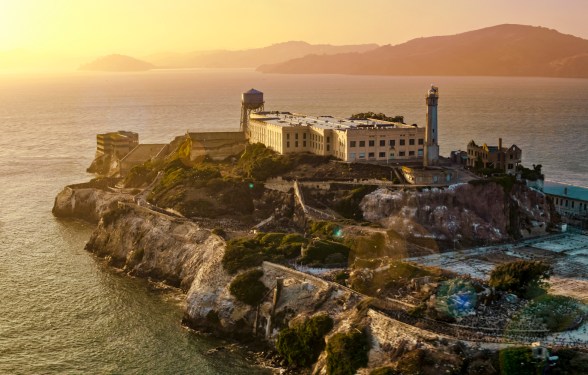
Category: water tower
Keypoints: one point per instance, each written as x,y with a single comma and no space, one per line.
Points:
251,101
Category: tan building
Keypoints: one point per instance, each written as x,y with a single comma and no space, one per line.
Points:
116,144
498,157
430,175
348,140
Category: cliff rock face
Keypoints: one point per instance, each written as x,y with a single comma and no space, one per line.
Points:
465,212
86,203
180,253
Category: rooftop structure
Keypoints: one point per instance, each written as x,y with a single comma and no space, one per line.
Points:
497,157
346,139
570,201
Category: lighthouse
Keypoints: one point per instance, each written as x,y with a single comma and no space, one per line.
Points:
431,155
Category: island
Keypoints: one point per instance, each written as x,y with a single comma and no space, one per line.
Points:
389,263
117,63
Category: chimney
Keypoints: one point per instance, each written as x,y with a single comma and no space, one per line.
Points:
499,144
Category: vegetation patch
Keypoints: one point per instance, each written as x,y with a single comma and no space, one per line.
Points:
395,275
525,278
247,288
347,352
321,252
325,230
260,163
302,344
517,360
555,313
376,116
244,253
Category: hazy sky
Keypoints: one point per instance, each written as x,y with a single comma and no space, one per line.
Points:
142,27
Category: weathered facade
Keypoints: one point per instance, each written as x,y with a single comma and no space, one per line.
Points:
497,157
116,144
215,145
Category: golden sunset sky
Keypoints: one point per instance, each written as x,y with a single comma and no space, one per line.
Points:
77,29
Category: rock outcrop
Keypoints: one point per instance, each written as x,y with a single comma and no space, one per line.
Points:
471,213
87,203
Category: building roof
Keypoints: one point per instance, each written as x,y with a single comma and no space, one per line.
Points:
143,152
565,191
287,119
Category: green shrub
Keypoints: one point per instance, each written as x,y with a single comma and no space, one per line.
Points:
324,229
260,163
558,313
301,345
247,288
242,254
517,360
521,277
347,352
320,251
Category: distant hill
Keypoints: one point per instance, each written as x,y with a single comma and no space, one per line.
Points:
251,58
504,50
117,63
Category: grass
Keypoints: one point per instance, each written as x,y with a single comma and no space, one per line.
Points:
558,313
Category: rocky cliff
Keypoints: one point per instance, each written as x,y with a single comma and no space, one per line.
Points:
85,202
472,213
182,254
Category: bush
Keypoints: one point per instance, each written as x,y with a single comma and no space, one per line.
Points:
242,254
522,277
517,360
302,344
348,206
247,288
260,163
325,229
321,251
558,313
347,352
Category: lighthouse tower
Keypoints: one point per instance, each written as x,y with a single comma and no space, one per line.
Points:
431,156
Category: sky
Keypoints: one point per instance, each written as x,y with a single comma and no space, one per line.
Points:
71,29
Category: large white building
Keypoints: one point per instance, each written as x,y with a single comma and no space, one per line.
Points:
345,139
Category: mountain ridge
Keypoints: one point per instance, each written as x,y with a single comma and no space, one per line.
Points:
501,50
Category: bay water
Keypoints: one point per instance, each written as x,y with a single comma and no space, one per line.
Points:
63,311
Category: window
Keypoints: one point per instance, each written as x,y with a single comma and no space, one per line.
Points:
362,155
411,153
411,142
382,142
296,135
304,143
328,147
304,135
352,144
391,155
288,143
296,143
401,153
371,155
361,143
352,156
288,136
392,142
510,166
422,141
372,143
382,155
420,152
402,142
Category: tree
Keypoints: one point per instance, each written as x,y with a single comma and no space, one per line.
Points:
522,277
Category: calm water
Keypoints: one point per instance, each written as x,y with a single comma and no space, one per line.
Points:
62,311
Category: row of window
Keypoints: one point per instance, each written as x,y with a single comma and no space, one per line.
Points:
570,203
391,142
361,155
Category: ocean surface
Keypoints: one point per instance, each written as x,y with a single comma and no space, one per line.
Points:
63,311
